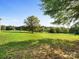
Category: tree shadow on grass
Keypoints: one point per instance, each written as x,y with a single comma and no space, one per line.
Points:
40,49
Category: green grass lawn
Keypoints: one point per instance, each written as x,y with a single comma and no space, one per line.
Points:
20,45
6,37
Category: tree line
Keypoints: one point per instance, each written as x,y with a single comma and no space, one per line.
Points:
74,30
32,24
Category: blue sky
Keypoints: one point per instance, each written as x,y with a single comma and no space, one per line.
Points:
14,12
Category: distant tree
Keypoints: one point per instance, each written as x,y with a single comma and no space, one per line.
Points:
10,27
23,28
0,24
52,30
65,30
75,28
58,30
42,29
3,27
32,22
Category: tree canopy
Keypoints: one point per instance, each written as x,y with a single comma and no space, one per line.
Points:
32,22
63,11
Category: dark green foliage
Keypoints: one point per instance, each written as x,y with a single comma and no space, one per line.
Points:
75,29
52,30
64,30
10,28
42,29
58,30
37,29
0,25
22,28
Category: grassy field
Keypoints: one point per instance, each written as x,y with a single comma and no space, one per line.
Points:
25,45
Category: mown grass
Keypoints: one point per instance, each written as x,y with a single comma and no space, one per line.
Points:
25,45
13,36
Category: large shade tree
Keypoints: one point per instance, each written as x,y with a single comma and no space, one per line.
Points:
32,22
63,11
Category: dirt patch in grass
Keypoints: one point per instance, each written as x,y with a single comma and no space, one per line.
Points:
41,49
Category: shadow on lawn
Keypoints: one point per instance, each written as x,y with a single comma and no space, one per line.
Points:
40,49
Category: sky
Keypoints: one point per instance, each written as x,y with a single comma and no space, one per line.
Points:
13,12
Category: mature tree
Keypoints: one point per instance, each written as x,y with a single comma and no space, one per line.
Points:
64,11
32,22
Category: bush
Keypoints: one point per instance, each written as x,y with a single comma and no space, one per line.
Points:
58,30
10,28
74,30
52,30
